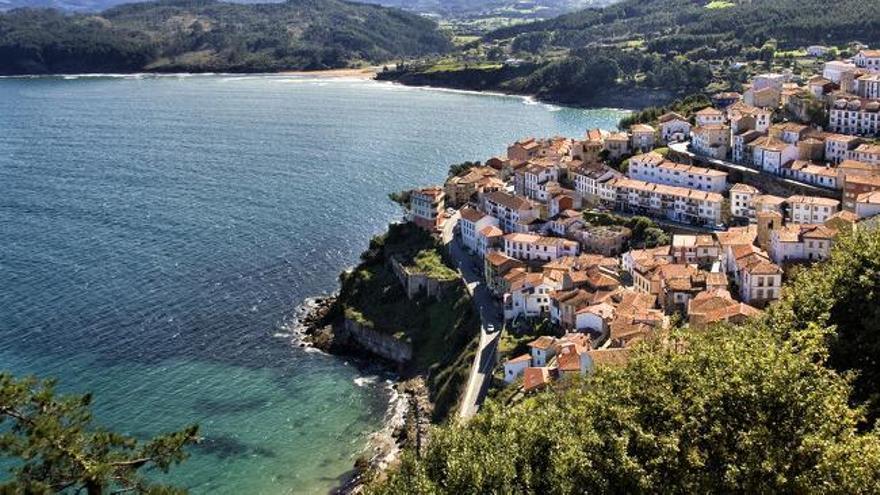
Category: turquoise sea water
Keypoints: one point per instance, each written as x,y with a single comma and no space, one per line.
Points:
157,234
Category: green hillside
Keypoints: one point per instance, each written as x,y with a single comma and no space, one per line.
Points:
207,35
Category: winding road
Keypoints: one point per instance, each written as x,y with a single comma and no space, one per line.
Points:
489,310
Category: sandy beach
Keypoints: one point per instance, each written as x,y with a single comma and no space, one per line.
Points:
361,73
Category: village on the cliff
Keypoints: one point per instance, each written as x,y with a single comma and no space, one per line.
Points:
747,188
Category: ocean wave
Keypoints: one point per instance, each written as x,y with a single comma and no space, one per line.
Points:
363,381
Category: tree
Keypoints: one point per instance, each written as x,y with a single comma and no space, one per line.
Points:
844,291
54,447
460,168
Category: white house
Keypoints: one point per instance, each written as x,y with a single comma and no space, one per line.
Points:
742,200
868,204
543,349
810,209
509,209
709,116
769,154
674,128
868,60
588,178
531,247
595,318
471,223
834,70
793,243
515,367
652,167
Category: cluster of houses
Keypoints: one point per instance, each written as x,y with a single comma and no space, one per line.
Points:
523,215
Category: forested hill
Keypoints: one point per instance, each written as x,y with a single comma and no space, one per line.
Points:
688,23
211,36
668,49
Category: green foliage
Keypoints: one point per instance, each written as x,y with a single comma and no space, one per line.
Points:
844,291
54,447
645,232
461,168
756,408
207,35
402,198
650,115
569,76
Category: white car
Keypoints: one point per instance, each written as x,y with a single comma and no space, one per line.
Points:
490,328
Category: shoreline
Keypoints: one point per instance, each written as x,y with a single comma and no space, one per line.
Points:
407,397
363,74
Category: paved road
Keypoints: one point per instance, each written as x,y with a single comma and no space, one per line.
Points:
489,310
683,149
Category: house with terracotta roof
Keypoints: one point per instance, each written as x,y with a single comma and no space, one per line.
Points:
742,200
538,248
537,378
426,207
652,167
463,187
523,150
673,128
495,267
838,146
810,209
866,153
740,152
471,223
801,242
640,259
770,154
529,296
695,249
759,279
601,358
510,210
542,349
868,60
571,359
708,116
811,173
489,238
565,304
857,178
716,306
595,318
589,149
868,204
760,118
617,145
641,138
712,140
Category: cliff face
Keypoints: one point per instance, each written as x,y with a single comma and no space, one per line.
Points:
385,346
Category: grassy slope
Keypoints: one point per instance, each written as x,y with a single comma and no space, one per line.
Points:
443,333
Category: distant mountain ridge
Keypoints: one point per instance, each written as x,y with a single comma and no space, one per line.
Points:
212,36
450,8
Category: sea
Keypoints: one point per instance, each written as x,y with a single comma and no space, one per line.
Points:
158,233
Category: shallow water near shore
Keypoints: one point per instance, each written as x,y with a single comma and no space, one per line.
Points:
158,233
